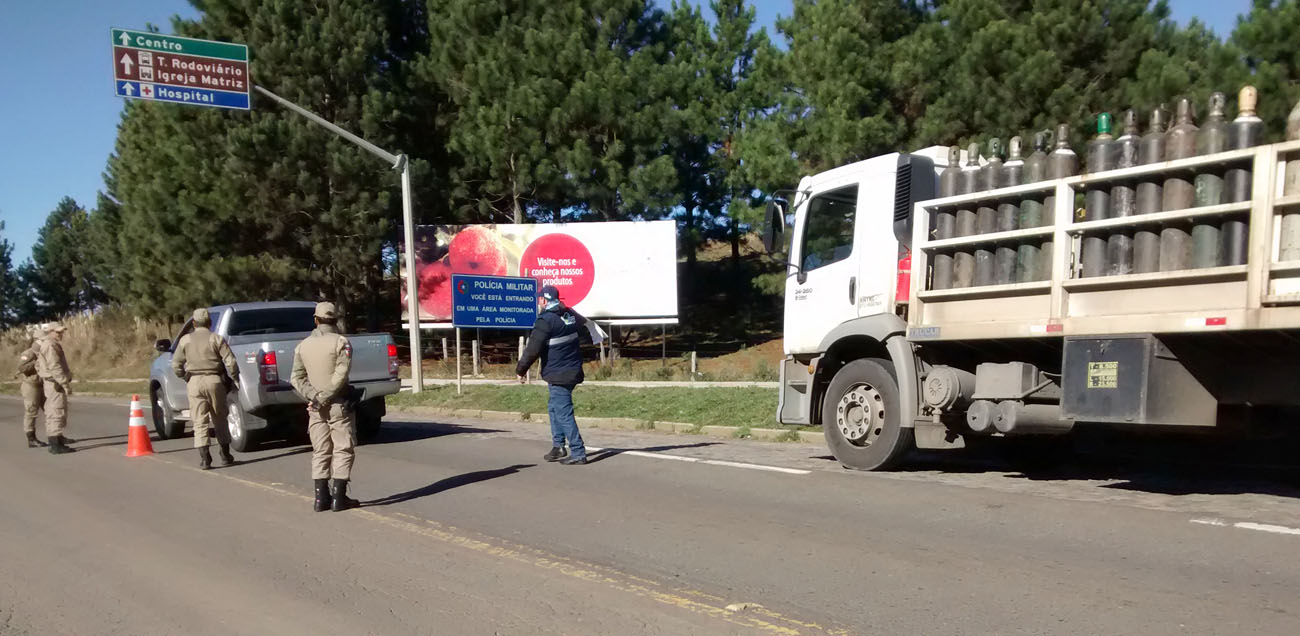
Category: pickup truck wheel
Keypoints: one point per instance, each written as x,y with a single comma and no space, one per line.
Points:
861,417
242,438
164,421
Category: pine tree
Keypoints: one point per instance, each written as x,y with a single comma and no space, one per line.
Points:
9,288
61,280
843,105
228,206
1266,39
557,106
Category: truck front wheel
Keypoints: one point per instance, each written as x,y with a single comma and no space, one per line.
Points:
862,419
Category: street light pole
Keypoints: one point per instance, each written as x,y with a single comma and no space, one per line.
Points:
403,163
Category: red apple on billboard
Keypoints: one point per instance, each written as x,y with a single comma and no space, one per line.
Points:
477,250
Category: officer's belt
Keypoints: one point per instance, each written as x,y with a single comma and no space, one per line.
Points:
195,373
562,339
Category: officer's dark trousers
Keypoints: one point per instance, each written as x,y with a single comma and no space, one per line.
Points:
564,426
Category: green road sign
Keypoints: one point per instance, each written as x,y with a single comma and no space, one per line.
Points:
178,45
167,68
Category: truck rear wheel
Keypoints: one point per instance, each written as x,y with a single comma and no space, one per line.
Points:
861,417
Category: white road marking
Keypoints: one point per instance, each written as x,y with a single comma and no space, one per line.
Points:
1247,525
713,462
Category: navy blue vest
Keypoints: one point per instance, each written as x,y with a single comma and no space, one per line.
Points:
562,356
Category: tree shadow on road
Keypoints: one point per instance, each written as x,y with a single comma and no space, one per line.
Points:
1166,466
449,483
240,462
397,432
95,439
79,445
606,453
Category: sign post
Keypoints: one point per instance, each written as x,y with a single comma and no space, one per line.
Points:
493,302
167,68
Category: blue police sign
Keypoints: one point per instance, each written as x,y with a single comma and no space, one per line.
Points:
493,302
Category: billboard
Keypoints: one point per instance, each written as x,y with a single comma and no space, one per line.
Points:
614,270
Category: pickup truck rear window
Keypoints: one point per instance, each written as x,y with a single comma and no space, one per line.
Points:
257,322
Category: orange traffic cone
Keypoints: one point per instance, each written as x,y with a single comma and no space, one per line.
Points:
137,438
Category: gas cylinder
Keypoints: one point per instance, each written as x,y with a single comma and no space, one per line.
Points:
1031,209
1013,174
1246,131
1290,231
1062,163
1150,194
1123,199
945,222
1207,247
967,183
1180,193
986,214
1101,157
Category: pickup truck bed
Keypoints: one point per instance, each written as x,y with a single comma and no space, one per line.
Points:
263,337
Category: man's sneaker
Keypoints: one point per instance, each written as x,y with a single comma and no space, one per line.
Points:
557,453
575,461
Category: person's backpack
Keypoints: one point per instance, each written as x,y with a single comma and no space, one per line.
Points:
27,363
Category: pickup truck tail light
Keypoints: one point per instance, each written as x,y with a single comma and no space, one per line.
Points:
393,362
904,290
266,370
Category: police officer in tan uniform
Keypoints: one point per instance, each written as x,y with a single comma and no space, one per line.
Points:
320,375
52,367
204,360
30,381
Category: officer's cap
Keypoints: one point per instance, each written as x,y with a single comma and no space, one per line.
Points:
549,292
54,327
326,311
202,316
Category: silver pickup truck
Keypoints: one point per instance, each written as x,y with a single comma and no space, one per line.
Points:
263,337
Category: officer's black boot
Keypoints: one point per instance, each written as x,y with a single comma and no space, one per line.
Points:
322,495
557,453
226,458
32,442
57,447
65,440
205,458
340,495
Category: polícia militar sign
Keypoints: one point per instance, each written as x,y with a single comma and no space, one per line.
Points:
493,302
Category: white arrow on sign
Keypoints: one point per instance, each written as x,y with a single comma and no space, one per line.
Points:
127,62
125,38
129,88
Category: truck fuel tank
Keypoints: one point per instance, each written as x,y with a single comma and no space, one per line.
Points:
1131,380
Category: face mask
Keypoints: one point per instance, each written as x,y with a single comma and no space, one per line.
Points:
552,304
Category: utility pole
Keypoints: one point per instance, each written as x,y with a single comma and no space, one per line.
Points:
399,162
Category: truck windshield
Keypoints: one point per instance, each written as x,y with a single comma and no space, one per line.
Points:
256,322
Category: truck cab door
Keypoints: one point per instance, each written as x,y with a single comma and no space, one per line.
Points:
821,288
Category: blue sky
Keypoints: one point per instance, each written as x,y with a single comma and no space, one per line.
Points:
60,116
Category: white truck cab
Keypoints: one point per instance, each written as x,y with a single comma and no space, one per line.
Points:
847,282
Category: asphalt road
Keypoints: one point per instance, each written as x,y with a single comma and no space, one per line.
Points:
466,531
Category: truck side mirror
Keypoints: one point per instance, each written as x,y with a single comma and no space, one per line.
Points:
163,346
774,225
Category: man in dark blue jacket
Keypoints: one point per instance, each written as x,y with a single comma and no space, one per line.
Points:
555,340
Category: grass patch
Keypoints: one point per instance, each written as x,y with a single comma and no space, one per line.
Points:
744,407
